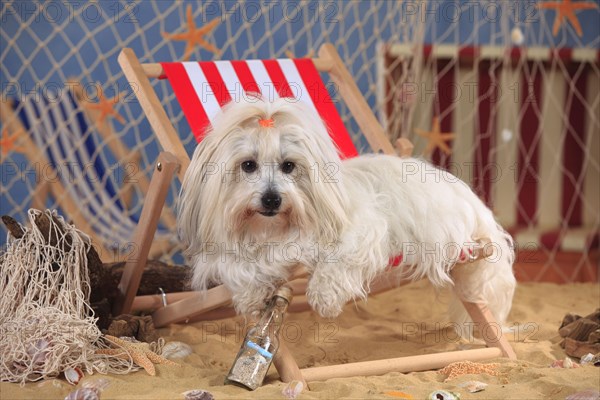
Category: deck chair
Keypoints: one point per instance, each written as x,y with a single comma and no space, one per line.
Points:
58,136
250,74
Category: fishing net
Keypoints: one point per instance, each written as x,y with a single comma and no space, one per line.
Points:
46,324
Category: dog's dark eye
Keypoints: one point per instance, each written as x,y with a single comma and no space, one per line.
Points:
287,167
249,166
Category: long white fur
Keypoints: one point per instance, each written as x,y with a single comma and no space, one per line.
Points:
342,220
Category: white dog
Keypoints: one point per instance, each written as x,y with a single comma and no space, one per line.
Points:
266,190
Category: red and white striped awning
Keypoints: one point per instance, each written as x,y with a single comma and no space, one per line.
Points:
203,88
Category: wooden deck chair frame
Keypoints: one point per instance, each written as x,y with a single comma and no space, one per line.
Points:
186,307
57,189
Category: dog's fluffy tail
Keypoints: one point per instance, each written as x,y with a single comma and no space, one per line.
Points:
490,281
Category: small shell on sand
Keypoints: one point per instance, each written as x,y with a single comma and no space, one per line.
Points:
292,390
197,394
174,350
473,386
443,395
566,363
590,394
587,359
90,391
73,375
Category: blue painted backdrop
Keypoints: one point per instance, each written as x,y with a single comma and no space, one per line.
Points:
42,44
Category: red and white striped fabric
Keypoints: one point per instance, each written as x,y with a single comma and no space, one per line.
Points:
527,135
203,88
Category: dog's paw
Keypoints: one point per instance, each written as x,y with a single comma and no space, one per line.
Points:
251,302
326,302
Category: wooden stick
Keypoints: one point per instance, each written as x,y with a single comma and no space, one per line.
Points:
166,168
404,364
154,111
405,147
155,70
286,365
490,330
385,281
192,306
196,306
355,101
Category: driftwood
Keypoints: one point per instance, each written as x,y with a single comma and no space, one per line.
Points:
157,275
13,226
581,334
171,278
139,327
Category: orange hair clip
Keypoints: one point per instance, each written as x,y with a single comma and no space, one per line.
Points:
266,123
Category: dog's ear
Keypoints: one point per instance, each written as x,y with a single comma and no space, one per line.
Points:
198,184
327,192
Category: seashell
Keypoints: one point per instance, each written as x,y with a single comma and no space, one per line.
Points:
473,386
197,394
292,389
38,352
589,394
566,363
443,395
73,375
83,394
90,391
587,359
173,350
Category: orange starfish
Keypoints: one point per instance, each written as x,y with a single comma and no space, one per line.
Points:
140,353
194,35
436,138
565,9
8,142
106,108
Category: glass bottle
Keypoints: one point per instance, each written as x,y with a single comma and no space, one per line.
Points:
260,344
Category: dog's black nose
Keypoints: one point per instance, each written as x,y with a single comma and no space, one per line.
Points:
271,201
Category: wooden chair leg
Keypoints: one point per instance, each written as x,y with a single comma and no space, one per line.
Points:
166,168
491,331
286,365
404,147
199,303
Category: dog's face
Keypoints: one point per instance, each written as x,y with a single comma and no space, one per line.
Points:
267,170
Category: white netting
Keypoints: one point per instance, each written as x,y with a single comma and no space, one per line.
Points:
386,45
46,325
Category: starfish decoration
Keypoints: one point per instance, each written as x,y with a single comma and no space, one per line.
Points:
194,35
8,142
106,108
565,9
435,138
139,352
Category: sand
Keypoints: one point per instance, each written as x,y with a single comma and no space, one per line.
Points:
405,321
